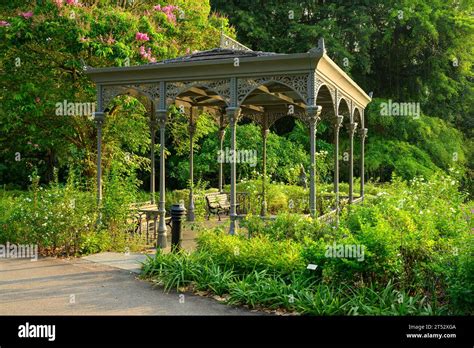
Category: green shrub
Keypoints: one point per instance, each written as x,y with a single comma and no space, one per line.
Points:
54,217
95,242
259,253
461,280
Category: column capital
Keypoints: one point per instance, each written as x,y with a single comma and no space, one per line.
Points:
313,113
161,116
352,128
338,121
99,117
363,133
233,113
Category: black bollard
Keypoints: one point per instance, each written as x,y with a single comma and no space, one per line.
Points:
177,213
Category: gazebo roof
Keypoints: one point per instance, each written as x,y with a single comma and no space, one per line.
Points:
235,75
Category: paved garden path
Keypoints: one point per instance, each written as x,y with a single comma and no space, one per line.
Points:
91,286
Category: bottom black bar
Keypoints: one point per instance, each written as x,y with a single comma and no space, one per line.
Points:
240,331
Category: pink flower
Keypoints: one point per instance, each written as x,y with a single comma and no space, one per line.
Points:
4,24
168,11
27,15
59,3
169,8
142,37
147,54
72,2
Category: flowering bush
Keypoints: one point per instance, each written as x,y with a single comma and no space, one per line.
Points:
142,37
65,220
168,10
55,218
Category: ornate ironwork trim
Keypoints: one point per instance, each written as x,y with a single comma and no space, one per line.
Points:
299,84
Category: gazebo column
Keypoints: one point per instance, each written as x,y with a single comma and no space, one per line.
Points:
162,230
99,118
221,163
233,114
192,130
313,113
352,129
153,125
363,135
265,132
337,126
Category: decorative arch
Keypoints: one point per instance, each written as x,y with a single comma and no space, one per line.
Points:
357,117
325,97
344,108
297,83
325,88
221,88
291,104
111,92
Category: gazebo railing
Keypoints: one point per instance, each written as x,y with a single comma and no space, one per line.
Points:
144,218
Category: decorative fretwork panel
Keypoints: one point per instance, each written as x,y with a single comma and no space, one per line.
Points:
152,91
298,83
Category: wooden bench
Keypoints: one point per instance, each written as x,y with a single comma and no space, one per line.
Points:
217,203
